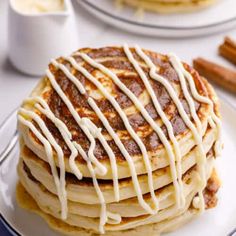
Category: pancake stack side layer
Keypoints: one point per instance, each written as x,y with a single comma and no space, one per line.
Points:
120,141
168,6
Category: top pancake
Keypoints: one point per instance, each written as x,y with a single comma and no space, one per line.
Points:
115,59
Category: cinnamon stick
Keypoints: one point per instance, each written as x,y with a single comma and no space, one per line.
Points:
222,76
228,50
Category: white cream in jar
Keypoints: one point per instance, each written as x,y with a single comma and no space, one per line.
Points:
38,6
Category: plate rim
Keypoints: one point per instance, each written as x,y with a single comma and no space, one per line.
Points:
9,227
94,7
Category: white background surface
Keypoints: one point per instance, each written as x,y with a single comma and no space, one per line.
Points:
14,86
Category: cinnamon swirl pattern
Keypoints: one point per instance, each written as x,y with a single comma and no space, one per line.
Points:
119,140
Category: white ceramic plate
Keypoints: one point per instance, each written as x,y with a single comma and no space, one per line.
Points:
219,221
218,17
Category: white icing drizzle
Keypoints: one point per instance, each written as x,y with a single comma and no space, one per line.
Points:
92,132
91,158
147,117
186,93
93,128
70,76
213,118
115,137
60,184
67,136
211,122
100,169
103,215
73,146
98,134
201,157
183,73
113,218
197,202
179,194
152,123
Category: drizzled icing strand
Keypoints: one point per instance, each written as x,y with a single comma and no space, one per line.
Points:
104,215
201,157
186,93
133,134
49,153
49,138
180,196
92,132
109,217
129,128
90,157
182,73
97,133
93,128
100,169
198,97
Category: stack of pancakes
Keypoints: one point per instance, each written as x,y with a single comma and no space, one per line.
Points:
116,196
169,6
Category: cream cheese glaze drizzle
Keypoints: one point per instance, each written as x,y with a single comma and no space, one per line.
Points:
115,136
49,139
201,158
105,216
93,127
198,97
93,133
168,126
100,169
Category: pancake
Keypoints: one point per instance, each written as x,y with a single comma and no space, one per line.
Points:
118,140
151,229
124,70
40,193
46,198
169,6
84,192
